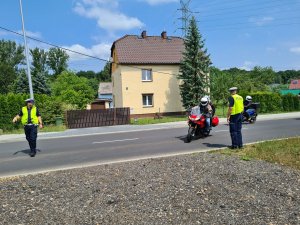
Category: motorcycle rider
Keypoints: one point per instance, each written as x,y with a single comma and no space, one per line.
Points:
207,111
247,107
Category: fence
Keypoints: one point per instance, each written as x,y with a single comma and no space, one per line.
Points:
97,118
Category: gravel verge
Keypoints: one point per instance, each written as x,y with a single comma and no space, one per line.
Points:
202,188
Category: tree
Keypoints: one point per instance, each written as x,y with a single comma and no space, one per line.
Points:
219,84
39,61
11,56
104,75
57,61
21,83
87,74
72,89
39,71
194,68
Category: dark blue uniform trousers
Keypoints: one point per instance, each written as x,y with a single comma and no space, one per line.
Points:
31,136
235,128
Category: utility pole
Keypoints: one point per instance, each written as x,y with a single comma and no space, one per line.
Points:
185,15
26,53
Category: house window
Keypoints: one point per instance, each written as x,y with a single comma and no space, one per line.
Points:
147,100
146,75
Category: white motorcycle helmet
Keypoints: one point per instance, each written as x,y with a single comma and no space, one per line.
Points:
204,101
248,98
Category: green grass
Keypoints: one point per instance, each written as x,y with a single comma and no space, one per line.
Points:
285,152
50,128
151,120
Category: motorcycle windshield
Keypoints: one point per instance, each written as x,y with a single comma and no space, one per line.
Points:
196,111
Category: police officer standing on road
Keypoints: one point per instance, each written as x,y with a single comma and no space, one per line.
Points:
30,118
235,118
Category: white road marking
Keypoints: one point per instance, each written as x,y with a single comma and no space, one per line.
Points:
228,130
115,141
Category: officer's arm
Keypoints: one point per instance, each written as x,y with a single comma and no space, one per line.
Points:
16,118
40,121
39,118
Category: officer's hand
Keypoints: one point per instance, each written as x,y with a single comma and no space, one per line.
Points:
41,126
228,120
14,120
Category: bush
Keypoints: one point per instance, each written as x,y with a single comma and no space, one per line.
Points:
269,102
290,102
274,102
11,104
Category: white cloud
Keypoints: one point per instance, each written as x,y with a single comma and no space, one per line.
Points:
100,50
295,50
107,15
248,65
261,21
28,33
31,34
157,2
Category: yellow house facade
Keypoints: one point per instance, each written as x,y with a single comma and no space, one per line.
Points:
144,74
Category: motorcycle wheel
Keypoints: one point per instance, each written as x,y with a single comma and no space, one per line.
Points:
252,120
191,133
206,133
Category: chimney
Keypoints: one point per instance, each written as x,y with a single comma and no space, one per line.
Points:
144,34
164,35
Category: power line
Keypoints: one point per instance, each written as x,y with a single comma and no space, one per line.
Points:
203,20
241,9
248,27
83,54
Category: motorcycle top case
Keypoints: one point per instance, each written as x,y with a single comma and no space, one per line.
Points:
215,121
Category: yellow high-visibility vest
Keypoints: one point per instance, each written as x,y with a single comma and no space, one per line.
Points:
34,118
238,106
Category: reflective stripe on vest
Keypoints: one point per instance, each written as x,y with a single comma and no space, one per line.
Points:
238,106
34,118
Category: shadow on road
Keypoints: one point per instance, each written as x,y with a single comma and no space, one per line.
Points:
26,151
214,145
195,138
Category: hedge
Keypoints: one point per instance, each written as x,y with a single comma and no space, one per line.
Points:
50,108
274,102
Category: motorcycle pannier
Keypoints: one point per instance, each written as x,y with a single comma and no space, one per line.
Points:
215,121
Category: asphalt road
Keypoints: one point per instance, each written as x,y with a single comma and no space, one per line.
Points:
71,152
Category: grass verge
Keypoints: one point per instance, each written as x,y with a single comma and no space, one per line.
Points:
151,120
285,152
50,128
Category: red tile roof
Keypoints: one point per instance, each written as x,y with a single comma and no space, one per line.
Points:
295,84
133,49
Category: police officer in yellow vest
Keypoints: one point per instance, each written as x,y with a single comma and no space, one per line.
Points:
235,118
30,118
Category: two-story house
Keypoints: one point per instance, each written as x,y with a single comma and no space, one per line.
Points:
144,73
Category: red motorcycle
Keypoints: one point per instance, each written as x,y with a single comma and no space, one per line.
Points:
197,124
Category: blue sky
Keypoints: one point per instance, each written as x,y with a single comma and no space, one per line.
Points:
237,33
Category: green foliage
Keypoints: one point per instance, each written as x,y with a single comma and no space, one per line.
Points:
72,89
284,77
39,71
7,77
269,102
290,102
21,83
11,56
87,74
39,61
57,61
104,75
194,68
49,106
